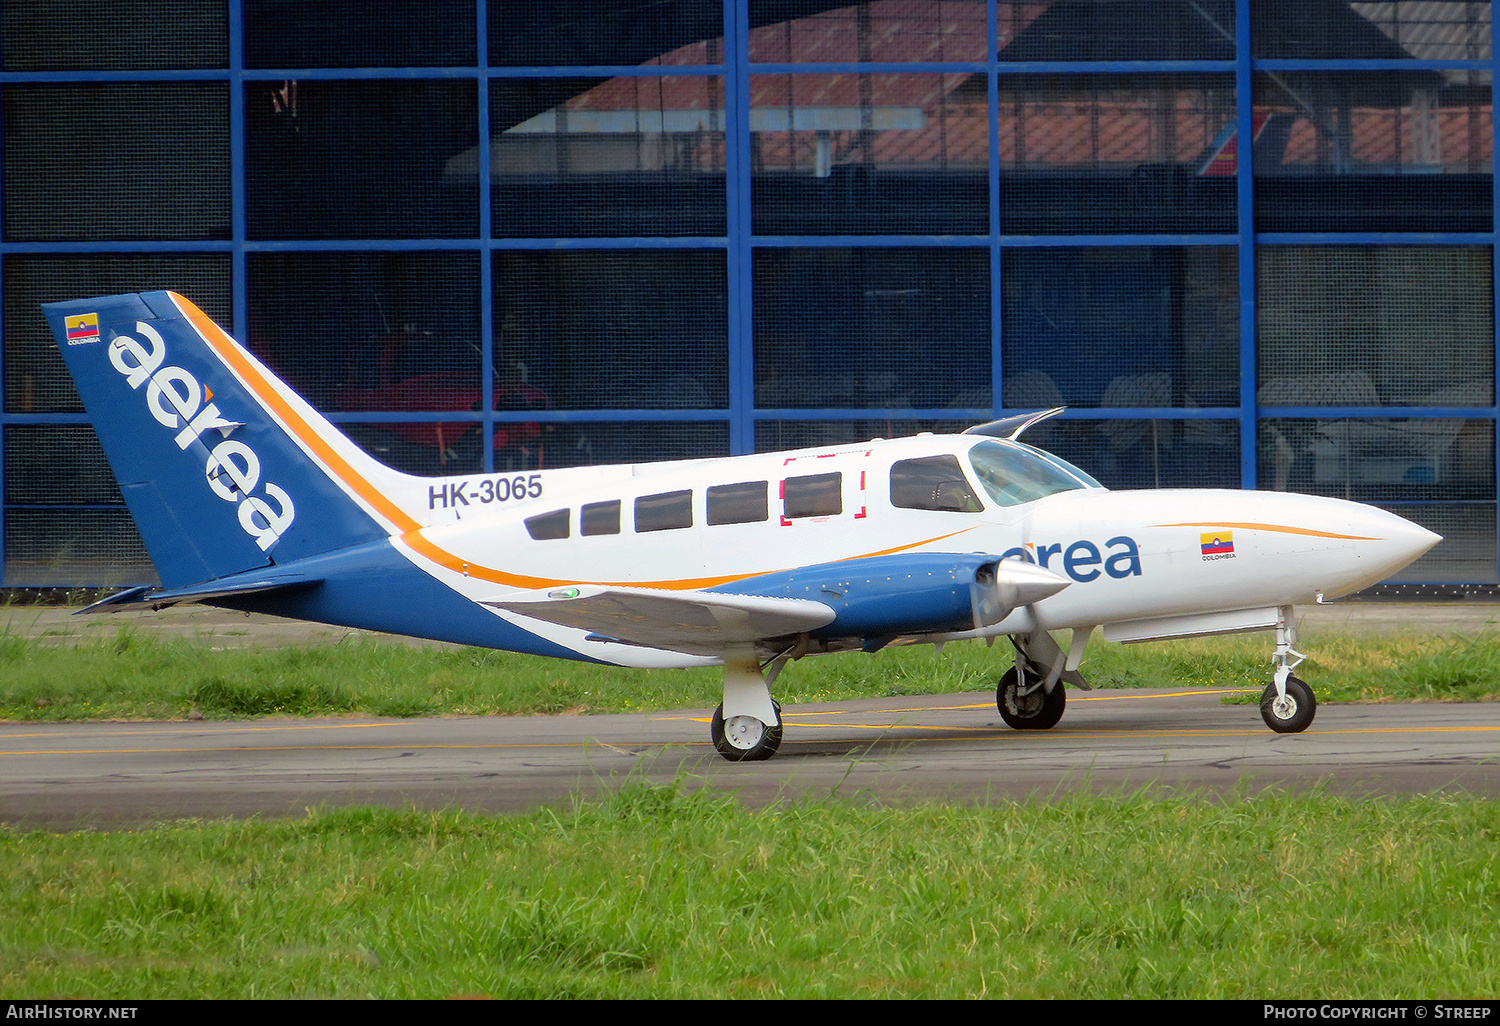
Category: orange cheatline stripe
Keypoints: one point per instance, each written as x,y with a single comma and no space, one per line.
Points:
238,360
1279,528
410,530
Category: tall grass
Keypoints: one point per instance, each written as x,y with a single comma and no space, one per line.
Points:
678,892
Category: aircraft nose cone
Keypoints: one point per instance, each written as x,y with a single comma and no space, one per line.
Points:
1386,543
1405,540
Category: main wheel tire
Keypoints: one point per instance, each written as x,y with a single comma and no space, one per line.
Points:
1293,714
745,738
1036,711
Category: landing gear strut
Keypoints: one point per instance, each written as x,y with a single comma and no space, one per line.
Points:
1030,695
1287,705
747,725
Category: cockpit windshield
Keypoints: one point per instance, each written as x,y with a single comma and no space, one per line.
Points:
1014,473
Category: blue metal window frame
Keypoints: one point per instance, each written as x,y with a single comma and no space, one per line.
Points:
740,242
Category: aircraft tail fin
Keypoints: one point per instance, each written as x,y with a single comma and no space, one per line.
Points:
224,468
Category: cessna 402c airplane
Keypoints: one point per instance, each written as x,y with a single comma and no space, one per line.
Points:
247,498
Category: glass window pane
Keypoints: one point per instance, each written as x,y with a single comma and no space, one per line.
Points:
813,495
1091,154
601,517
1086,30
870,154
1375,325
114,35
855,328
585,158
1387,30
885,30
743,503
359,159
1397,150
932,482
1120,327
57,464
136,160
615,329
549,526
543,33
575,443
666,511
352,34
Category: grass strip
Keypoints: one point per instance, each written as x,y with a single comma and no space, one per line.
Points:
676,891
137,675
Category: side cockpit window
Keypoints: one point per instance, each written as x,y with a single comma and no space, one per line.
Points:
1013,472
932,482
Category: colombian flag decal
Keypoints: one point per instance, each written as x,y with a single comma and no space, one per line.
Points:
1218,543
82,328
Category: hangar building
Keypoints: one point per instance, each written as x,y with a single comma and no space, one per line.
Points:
1247,243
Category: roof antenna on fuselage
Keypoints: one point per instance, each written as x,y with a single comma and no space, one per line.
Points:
1011,427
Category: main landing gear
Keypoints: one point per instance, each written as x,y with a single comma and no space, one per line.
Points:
1030,695
1287,705
747,725
745,738
1026,704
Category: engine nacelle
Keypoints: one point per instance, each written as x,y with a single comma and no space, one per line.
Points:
909,593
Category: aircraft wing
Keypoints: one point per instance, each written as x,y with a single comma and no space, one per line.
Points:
694,622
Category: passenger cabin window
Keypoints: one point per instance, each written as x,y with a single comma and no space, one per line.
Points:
816,495
665,511
546,526
600,517
932,482
744,503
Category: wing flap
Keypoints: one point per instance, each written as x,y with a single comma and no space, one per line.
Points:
693,622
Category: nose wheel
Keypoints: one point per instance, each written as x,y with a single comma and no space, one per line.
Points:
1287,705
1291,712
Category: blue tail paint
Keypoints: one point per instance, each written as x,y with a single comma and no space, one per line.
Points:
244,495
216,485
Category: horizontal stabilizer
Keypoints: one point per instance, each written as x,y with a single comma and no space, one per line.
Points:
146,597
693,622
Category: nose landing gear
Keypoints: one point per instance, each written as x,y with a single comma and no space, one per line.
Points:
1287,705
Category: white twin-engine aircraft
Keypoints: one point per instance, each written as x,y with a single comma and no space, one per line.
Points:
247,498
